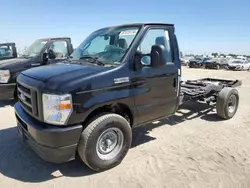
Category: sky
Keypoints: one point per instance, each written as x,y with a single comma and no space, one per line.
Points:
201,26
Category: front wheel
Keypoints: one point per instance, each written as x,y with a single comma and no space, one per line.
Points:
105,142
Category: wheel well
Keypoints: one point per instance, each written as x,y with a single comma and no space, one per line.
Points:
15,95
119,108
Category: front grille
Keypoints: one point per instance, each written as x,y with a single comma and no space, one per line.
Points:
28,99
232,68
21,123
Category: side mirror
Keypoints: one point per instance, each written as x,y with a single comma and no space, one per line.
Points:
137,60
51,54
45,57
158,58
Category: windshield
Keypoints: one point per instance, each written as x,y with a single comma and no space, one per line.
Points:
107,45
35,48
206,59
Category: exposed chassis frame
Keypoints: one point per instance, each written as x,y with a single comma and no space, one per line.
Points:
205,89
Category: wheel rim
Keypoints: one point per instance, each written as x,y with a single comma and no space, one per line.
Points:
109,143
232,102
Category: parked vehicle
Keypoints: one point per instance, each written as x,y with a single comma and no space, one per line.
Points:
238,64
41,52
185,60
197,62
241,58
7,51
216,63
119,78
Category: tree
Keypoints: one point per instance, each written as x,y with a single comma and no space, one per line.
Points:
214,54
232,55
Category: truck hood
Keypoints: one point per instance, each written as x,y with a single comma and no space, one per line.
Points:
62,73
211,61
8,63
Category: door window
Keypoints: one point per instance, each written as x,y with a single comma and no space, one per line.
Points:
59,49
6,51
156,37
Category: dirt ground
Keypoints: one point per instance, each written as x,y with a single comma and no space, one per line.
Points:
192,149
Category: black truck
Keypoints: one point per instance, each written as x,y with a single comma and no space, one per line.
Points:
216,63
119,78
41,52
8,51
198,62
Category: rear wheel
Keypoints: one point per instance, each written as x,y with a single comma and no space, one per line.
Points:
227,103
105,142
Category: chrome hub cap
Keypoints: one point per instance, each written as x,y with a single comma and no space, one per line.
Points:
232,102
109,144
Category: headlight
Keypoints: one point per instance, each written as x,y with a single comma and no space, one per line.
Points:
57,108
4,76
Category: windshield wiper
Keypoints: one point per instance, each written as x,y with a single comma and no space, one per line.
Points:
94,60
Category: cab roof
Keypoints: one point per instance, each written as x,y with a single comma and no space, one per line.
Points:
141,24
8,44
54,38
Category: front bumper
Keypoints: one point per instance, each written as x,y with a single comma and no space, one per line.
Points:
211,66
234,68
51,143
7,91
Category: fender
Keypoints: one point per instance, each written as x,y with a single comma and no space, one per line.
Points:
94,99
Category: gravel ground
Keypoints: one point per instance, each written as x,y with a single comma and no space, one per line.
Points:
194,149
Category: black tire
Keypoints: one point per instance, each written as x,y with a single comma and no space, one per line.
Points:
15,97
87,147
223,103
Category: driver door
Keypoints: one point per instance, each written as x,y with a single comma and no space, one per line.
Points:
156,89
246,65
